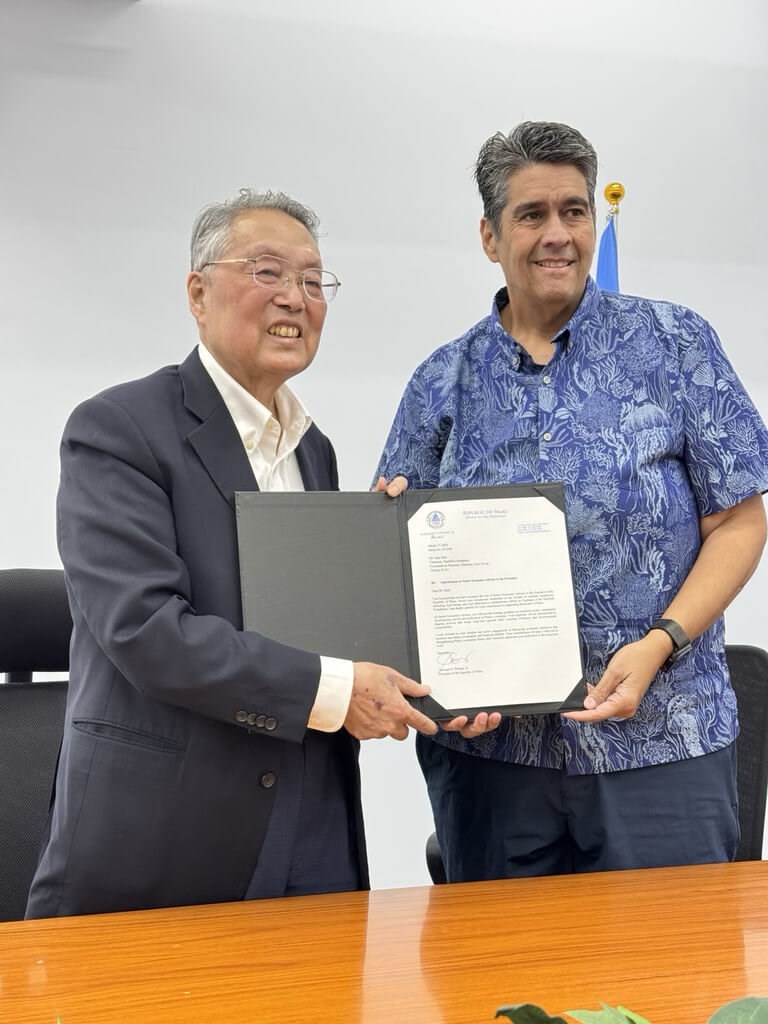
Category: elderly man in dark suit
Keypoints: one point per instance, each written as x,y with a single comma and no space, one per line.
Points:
201,762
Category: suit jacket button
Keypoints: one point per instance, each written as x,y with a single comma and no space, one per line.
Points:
241,716
260,721
271,724
268,779
251,719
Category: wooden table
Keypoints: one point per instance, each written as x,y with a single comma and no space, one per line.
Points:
671,943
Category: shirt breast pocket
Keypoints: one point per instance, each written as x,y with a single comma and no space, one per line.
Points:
483,461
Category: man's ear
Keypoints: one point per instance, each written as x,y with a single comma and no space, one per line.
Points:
196,294
488,238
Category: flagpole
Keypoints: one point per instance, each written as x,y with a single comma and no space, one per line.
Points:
608,254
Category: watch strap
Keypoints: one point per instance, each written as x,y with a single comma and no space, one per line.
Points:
681,645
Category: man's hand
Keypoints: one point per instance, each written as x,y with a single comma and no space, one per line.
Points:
378,707
627,676
396,485
482,723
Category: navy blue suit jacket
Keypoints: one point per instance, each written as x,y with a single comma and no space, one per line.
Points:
160,794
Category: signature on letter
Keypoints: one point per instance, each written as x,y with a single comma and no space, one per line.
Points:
449,661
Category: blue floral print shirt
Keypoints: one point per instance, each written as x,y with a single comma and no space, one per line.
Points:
643,419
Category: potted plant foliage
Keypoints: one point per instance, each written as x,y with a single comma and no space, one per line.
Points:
743,1011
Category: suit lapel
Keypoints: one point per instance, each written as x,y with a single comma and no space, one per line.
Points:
215,439
218,444
307,456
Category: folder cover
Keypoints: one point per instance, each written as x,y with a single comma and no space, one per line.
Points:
332,572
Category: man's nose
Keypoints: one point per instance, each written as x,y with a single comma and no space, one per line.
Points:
556,232
291,292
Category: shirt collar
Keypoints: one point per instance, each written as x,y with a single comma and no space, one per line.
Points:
569,332
249,415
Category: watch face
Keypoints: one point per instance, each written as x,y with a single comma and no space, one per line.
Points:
676,634
681,645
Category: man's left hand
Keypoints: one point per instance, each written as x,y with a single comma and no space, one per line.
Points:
627,676
395,486
482,723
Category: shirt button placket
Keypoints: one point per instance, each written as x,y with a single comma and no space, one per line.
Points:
545,418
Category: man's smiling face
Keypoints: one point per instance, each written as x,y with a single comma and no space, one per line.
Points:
262,337
546,241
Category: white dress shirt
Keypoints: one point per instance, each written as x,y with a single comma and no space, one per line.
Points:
270,445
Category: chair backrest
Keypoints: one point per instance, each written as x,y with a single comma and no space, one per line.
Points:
35,627
35,623
435,863
749,677
31,724
748,667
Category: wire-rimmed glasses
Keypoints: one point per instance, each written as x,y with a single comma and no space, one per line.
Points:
275,273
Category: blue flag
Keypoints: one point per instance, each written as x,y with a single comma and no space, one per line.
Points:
608,259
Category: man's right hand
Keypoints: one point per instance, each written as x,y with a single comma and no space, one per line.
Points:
378,707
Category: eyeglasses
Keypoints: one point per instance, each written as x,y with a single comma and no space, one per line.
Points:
275,273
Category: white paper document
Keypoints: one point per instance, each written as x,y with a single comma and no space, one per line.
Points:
494,602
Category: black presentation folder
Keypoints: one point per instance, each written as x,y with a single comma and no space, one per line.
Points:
330,571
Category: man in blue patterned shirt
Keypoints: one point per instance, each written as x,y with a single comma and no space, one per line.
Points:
634,406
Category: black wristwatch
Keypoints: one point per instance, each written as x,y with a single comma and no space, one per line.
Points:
681,645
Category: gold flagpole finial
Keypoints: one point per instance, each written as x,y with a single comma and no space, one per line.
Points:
614,193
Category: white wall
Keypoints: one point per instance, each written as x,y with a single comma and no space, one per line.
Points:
119,120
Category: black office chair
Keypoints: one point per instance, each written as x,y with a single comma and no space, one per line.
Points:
35,623
435,863
35,626
749,677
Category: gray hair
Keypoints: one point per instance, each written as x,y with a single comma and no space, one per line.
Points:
532,142
212,229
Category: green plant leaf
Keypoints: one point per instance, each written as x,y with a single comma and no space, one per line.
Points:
753,1010
527,1013
634,1017
608,1015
